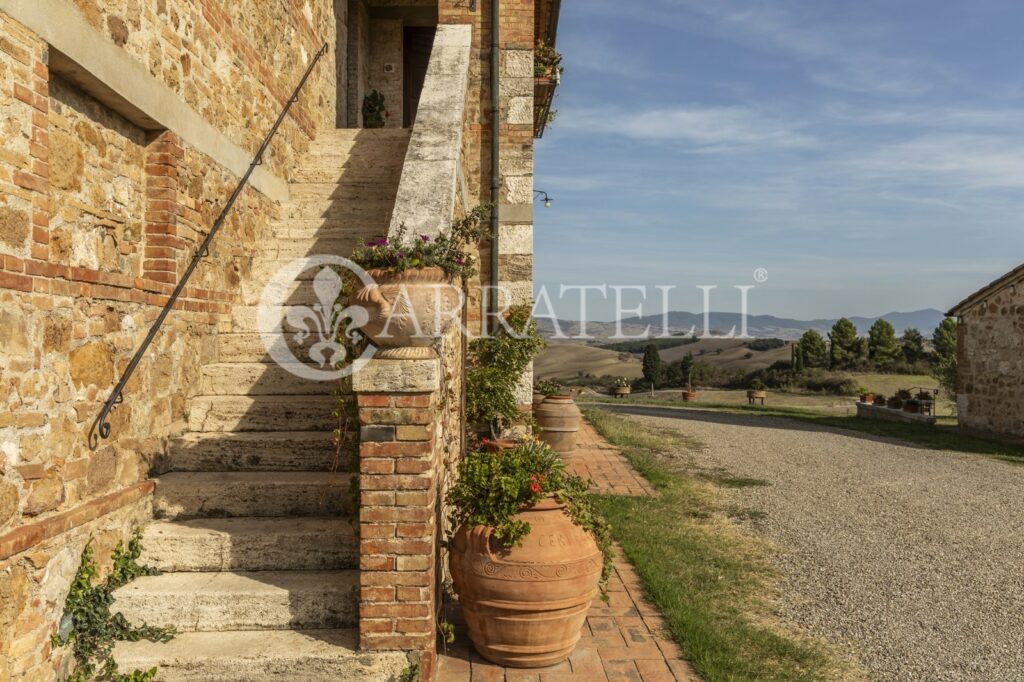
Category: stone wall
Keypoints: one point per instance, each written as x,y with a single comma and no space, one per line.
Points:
516,130
98,217
990,358
386,53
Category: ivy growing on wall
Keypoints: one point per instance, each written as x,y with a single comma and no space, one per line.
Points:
88,625
496,364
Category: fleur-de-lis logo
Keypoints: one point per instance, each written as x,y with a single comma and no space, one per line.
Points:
325,319
328,322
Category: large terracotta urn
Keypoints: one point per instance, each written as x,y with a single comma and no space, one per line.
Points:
524,605
559,420
408,310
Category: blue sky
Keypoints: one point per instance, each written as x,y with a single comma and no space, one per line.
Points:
869,155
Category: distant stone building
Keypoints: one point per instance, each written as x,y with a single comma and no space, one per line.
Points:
990,357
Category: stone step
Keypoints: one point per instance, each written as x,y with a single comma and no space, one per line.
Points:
261,378
279,655
258,451
229,600
243,321
364,190
327,245
321,229
342,170
364,134
220,494
262,413
251,544
250,347
374,211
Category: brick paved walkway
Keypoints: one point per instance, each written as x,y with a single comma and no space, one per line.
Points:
625,639
596,459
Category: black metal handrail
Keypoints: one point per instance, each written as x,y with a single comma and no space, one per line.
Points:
102,426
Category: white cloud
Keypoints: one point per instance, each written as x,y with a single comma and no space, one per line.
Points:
703,129
957,161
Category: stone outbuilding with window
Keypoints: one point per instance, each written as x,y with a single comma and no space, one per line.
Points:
990,357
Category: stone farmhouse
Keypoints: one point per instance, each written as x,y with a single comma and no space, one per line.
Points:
990,357
125,125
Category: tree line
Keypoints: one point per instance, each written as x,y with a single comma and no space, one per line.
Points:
814,356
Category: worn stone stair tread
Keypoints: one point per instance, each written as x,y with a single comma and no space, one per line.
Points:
190,495
254,451
242,600
261,378
250,347
246,656
262,413
251,544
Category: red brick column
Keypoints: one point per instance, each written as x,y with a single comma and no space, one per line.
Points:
398,479
163,245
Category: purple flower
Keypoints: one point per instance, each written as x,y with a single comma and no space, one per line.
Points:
425,237
460,261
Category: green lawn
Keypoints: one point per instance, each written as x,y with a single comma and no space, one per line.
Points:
942,436
712,581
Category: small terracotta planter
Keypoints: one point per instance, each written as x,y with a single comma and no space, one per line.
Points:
538,398
867,397
524,605
559,420
912,407
689,396
879,401
894,404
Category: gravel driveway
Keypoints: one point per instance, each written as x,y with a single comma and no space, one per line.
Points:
912,559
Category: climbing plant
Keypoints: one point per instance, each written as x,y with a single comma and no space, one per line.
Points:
88,625
496,364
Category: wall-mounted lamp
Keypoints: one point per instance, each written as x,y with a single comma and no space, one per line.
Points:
544,195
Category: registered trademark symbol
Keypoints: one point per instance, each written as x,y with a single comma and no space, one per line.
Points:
760,275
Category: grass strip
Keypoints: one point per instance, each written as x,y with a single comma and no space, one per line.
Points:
711,580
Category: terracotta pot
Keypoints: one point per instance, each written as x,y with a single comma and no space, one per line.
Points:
408,310
879,401
623,390
524,605
559,420
894,404
867,397
912,407
689,396
538,398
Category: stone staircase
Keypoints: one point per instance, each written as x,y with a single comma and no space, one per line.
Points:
260,565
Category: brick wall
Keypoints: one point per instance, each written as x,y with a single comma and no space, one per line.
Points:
990,359
97,219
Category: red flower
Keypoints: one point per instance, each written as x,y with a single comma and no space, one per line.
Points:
535,487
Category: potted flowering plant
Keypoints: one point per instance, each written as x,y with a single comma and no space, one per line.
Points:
866,396
621,387
879,400
414,291
524,596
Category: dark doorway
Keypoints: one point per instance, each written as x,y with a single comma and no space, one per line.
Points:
417,43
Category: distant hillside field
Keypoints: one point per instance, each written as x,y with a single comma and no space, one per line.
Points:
728,354
567,360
